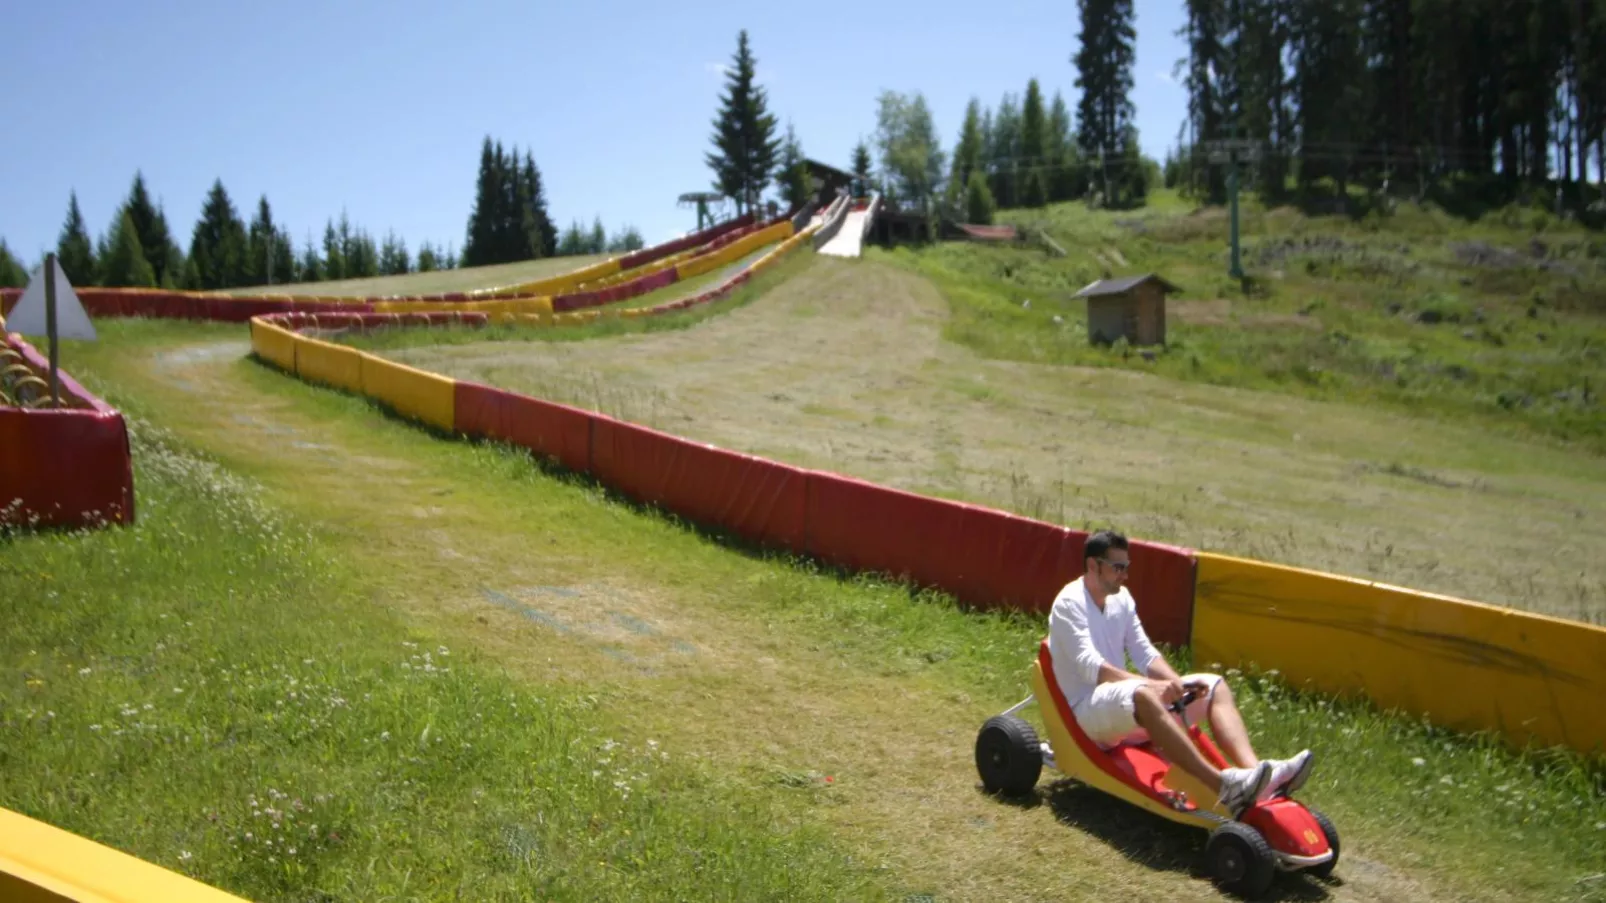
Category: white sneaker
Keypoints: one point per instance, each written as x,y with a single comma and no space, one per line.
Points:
1288,774
1242,786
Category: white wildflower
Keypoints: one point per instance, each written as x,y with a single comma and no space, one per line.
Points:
1419,761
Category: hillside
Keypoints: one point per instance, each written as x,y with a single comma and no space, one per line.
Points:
1499,322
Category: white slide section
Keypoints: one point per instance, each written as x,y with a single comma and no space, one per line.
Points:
849,242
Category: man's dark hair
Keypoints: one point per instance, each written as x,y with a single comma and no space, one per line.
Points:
1102,542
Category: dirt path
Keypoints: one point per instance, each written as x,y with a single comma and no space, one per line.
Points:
844,368
537,575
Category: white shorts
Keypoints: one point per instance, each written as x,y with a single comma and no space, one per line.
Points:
1108,717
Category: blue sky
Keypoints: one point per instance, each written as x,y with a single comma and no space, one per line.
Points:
379,108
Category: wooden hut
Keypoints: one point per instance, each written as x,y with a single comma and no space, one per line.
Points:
1132,307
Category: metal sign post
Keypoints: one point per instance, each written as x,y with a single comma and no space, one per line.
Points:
50,327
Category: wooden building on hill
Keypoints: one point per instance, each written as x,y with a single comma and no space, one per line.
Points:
1132,307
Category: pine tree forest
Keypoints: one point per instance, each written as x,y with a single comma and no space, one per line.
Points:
508,222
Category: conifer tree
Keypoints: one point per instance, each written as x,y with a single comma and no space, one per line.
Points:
861,160
262,258
155,239
12,274
310,269
1034,147
979,205
393,257
968,152
334,257
745,143
791,173
74,250
124,265
1104,73
479,249
218,242
428,262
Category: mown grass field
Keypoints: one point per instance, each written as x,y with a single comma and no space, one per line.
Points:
845,366
436,281
691,721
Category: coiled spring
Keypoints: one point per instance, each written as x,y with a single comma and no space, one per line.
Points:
20,387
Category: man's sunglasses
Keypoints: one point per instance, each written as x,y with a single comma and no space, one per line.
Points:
1121,566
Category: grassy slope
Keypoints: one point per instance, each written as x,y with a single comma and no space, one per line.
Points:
459,280
611,624
1499,322
843,367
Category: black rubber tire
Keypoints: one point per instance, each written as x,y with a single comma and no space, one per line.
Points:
1241,861
1326,868
1009,757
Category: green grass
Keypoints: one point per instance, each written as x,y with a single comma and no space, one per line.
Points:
791,265
1499,321
214,691
434,282
255,582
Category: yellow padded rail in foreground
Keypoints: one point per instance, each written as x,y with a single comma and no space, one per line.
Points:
412,393
1464,665
274,343
328,363
40,863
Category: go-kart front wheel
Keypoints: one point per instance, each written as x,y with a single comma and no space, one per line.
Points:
1326,868
1008,755
1241,861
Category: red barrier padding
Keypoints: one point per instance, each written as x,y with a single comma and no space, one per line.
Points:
983,557
658,252
65,467
547,429
759,500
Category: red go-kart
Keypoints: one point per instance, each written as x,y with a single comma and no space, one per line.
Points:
1244,853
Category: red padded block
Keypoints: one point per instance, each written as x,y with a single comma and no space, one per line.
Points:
65,465
547,429
759,500
959,548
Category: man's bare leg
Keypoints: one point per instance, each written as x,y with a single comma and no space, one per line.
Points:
1227,724
1167,733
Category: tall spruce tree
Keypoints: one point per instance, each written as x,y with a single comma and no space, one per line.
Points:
218,242
124,265
74,250
262,251
1003,152
1104,73
791,173
1034,147
543,235
428,260
310,268
861,160
1065,180
480,247
393,257
155,239
968,151
334,255
745,143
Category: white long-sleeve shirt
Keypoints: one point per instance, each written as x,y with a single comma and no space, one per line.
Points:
1081,638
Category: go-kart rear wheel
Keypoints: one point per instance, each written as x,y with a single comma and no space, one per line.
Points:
1008,755
1326,868
1241,861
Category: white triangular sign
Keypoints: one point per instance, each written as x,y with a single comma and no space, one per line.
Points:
28,316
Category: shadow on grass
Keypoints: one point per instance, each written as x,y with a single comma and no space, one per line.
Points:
1146,839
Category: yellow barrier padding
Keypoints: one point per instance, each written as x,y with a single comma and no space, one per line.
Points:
1464,665
326,362
413,393
274,343
568,282
40,863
